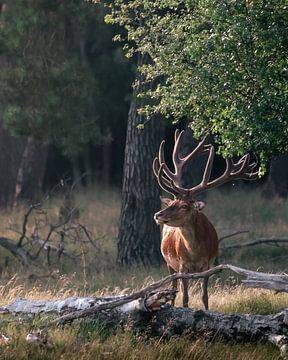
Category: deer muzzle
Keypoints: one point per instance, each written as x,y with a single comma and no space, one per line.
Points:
159,218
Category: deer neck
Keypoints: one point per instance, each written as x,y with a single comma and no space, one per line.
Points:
188,232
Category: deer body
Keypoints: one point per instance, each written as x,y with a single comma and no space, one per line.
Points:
189,241
189,248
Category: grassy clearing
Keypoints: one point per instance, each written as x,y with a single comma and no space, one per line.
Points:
99,211
70,344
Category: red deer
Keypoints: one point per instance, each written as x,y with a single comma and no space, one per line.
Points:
189,241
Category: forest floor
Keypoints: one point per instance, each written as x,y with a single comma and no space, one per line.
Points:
95,273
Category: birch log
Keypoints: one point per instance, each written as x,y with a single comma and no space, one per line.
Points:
146,311
150,317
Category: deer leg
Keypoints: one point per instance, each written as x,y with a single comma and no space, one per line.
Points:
174,283
184,288
205,292
184,285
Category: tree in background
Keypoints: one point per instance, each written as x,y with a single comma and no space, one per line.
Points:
224,64
139,236
221,64
48,89
59,71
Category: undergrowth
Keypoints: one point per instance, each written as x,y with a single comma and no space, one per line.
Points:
99,211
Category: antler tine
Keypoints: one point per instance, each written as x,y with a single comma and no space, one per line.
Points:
178,161
156,170
246,169
250,175
242,163
175,156
176,134
201,148
156,166
233,171
161,156
207,173
164,183
208,168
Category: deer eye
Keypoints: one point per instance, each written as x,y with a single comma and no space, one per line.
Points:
184,206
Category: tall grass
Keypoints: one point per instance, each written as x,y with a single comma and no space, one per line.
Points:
229,211
236,209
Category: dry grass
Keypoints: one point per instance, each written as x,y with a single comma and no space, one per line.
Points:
99,211
66,345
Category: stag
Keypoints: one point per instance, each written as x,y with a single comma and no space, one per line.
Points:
189,240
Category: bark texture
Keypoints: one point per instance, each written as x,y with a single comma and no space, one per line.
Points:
11,149
139,236
31,171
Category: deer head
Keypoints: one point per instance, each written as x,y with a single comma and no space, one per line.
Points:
178,210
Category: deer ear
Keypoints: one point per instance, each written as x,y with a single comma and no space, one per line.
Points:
165,201
199,204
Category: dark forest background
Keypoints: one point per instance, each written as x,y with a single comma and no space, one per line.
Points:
65,95
66,89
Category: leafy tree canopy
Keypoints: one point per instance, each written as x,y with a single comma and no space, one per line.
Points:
223,64
47,87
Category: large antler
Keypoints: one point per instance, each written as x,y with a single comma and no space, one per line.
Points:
170,181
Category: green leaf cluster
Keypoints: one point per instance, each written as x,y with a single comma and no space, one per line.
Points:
222,63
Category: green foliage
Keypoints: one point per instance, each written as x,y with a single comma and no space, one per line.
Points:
47,86
223,64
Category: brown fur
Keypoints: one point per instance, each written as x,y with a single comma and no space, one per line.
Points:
189,241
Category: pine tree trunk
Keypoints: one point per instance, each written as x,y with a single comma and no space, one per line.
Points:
31,172
139,236
11,149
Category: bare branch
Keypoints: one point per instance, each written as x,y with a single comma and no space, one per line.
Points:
87,233
24,225
21,254
257,241
238,232
253,279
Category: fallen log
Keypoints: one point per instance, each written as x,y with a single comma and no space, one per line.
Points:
150,317
145,312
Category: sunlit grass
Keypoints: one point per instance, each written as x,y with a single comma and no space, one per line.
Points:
99,211
71,343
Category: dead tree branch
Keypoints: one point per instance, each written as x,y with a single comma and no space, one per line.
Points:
145,313
263,240
252,279
24,225
235,233
21,254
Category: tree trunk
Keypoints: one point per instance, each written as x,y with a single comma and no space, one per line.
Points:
11,149
31,172
139,236
277,181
